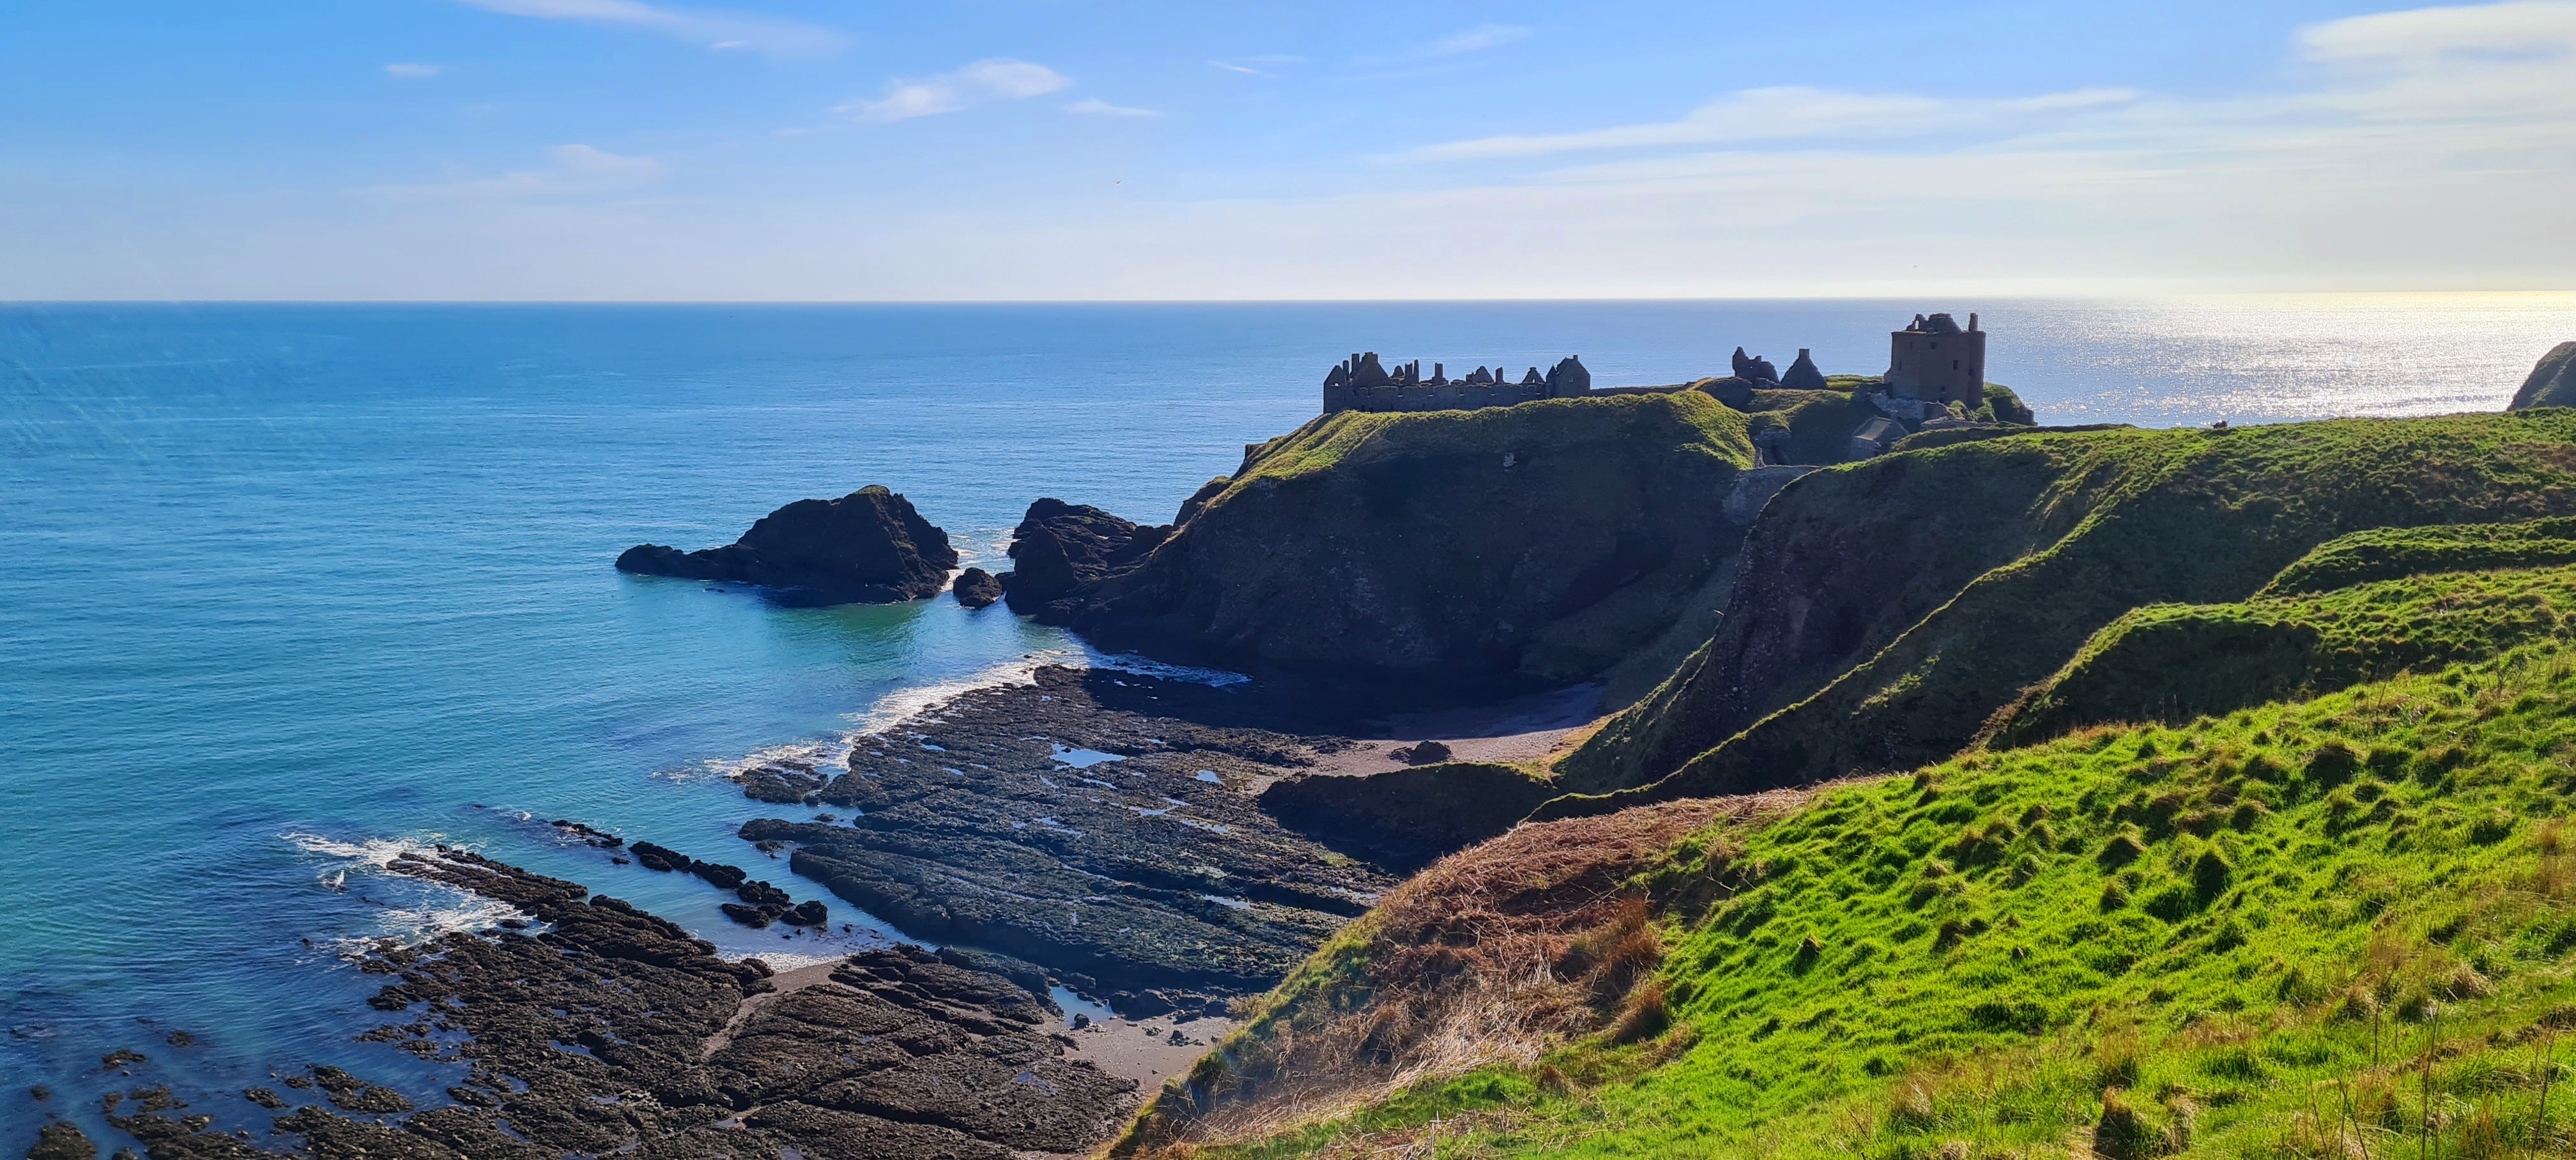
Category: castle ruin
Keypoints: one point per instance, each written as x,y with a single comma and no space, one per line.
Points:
1361,383
1934,361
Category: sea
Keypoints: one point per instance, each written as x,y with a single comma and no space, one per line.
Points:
291,588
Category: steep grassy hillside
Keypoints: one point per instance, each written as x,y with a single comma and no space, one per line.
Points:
2338,927
1890,607
1544,540
2388,553
2173,662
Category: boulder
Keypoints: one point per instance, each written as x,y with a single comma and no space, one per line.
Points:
1060,547
869,546
976,588
2552,383
1803,375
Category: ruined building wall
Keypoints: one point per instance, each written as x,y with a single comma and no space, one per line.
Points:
1937,362
1567,380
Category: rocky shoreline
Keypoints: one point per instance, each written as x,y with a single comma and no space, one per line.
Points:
1117,834
599,1028
1095,823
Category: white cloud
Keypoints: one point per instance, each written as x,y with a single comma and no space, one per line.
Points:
1096,107
1785,113
714,29
571,170
1247,70
2425,34
995,79
411,72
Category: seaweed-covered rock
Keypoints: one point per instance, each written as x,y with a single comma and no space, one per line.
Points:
868,546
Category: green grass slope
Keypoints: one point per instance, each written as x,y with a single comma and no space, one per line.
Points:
2388,553
1544,540
1859,642
2173,662
2339,927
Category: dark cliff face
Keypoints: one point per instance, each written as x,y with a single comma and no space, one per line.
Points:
2552,383
868,546
1546,540
1890,608
1061,547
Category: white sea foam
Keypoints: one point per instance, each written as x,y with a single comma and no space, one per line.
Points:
415,910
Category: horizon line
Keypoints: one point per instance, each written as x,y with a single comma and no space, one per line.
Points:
2024,296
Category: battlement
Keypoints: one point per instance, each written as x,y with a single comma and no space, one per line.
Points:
1362,383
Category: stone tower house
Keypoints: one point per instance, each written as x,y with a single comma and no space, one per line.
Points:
1935,361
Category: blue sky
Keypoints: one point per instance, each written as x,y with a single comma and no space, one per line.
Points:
981,149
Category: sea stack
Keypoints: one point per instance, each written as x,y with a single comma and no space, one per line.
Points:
866,547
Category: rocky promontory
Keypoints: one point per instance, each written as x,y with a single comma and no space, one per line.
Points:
1547,540
869,546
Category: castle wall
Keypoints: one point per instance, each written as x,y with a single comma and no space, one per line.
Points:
1445,397
1938,367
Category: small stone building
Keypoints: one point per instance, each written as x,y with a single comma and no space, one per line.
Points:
1935,361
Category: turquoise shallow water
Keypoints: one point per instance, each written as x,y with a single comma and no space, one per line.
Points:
290,583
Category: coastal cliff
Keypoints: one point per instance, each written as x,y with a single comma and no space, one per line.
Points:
1546,540
2302,834
1889,608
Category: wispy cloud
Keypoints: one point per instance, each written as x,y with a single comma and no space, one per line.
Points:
993,79
714,29
1245,69
570,170
1477,39
1473,40
1095,107
410,71
1785,113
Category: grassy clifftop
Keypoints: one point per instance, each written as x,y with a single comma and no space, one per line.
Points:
1890,607
2173,662
1545,540
2337,927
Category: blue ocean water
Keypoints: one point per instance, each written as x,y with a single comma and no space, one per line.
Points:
290,585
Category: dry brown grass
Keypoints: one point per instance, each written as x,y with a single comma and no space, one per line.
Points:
1493,956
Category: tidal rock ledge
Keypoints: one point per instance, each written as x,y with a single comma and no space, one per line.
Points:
869,546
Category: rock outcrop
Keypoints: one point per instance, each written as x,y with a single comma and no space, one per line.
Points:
1095,823
868,546
1061,547
611,1030
976,588
1546,541
2552,383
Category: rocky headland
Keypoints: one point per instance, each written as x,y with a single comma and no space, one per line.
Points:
868,546
1542,542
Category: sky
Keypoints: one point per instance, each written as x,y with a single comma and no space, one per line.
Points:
1075,149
